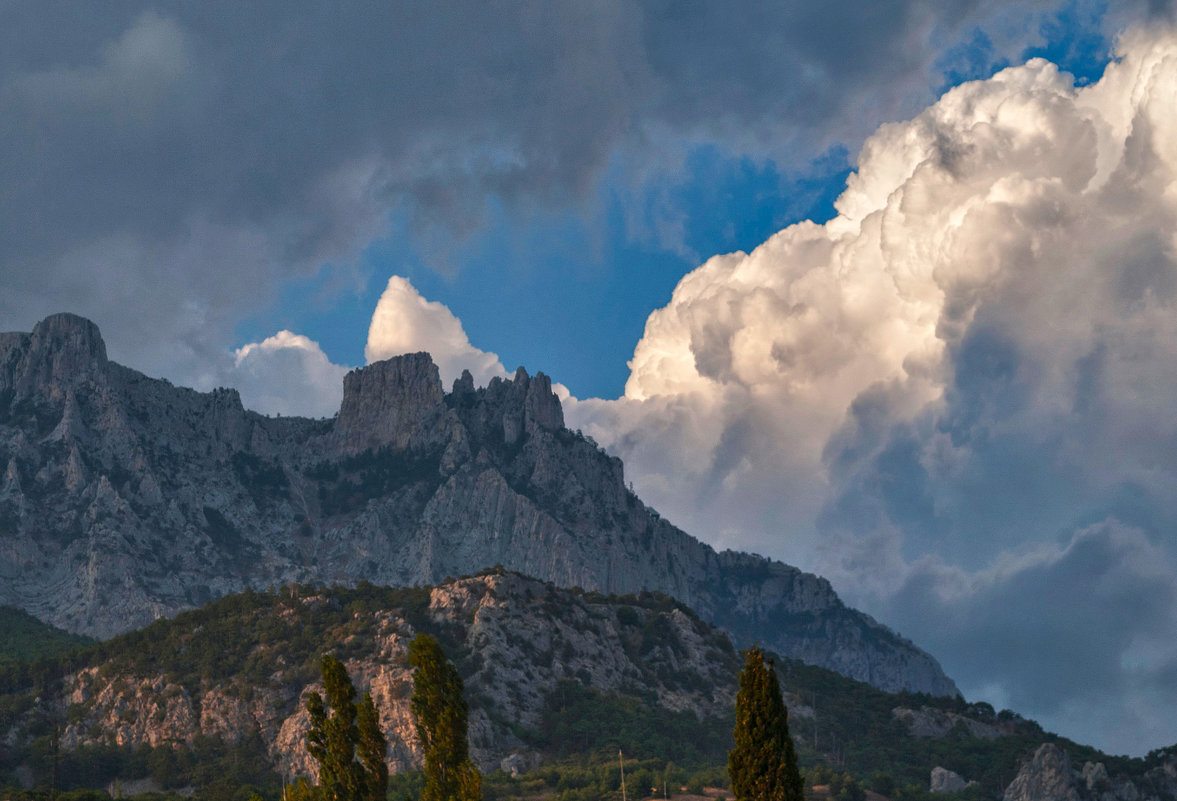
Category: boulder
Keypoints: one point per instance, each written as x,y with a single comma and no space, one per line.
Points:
947,781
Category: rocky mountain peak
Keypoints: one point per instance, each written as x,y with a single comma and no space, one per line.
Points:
518,406
464,385
541,405
68,340
62,350
394,402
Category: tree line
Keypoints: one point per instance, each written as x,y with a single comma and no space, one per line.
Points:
346,740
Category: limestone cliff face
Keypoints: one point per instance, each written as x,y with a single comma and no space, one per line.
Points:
124,498
395,403
520,637
63,351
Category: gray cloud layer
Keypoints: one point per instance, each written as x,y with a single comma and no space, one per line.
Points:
180,161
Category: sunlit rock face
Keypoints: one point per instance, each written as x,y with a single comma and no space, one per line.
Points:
124,498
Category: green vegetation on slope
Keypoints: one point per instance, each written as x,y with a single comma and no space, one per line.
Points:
24,639
239,637
221,772
580,721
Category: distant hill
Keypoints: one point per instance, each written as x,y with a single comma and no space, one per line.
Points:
557,680
124,499
234,673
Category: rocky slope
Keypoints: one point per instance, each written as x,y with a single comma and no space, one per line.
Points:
238,671
124,498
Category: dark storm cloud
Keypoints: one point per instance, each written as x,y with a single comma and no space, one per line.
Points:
183,159
1067,631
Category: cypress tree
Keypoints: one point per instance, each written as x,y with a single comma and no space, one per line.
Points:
441,717
763,765
372,749
337,728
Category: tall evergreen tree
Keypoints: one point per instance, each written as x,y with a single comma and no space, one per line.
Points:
337,728
372,749
763,765
440,713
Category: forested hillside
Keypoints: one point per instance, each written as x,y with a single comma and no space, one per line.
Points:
557,681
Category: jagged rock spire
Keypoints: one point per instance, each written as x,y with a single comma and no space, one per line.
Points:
392,402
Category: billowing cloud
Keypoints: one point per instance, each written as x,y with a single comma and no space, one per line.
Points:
405,322
287,373
1011,245
975,358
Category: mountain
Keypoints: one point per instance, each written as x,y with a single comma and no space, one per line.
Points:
124,498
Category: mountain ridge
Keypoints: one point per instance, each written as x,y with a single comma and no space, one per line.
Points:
125,498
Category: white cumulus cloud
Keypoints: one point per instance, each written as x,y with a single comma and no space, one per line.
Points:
405,322
287,374
1018,203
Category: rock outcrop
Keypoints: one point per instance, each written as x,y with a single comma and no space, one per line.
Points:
391,404
1046,777
947,781
124,498
931,722
1049,776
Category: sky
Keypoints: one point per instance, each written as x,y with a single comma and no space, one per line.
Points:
887,291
